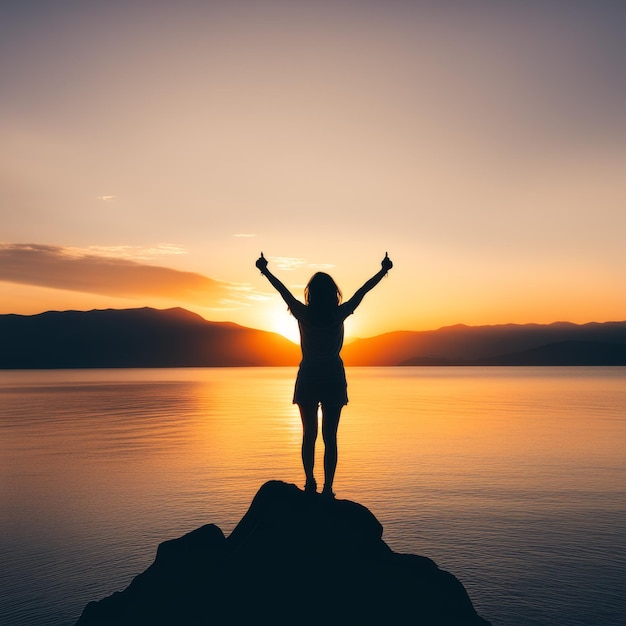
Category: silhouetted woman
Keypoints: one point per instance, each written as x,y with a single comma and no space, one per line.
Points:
321,379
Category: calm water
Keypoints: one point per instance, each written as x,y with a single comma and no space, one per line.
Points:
513,479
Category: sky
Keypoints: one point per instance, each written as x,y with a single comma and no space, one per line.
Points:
150,151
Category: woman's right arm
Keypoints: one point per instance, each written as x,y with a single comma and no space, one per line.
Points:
287,296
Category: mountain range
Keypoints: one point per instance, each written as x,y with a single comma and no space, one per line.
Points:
561,343
147,337
135,338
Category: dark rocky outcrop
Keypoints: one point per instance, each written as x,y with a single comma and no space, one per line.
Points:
293,559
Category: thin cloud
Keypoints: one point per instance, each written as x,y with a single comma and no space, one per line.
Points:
74,269
131,253
294,263
106,198
244,292
287,263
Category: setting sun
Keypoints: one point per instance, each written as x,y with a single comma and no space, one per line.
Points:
285,324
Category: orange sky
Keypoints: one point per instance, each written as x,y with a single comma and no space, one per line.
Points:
151,151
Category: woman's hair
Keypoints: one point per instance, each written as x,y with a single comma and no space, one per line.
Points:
322,292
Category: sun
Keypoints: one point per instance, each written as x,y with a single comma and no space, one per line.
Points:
286,325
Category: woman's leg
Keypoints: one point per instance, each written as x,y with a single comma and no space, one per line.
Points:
308,414
330,424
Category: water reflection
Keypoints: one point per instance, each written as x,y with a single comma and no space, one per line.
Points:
489,472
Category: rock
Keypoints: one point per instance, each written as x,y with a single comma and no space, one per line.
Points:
294,558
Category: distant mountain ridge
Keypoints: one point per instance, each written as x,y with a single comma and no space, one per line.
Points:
560,343
559,353
147,337
135,338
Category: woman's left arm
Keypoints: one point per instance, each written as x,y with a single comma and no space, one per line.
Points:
356,299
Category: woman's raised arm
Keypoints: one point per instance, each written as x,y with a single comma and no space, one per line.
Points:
356,299
287,296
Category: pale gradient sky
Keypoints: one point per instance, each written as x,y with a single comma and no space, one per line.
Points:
150,150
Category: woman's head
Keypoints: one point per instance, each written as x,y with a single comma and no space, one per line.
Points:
322,292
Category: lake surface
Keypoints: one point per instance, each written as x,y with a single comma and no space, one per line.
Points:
512,479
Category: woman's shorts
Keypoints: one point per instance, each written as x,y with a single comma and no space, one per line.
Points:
316,389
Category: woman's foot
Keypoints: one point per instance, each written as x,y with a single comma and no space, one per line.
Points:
327,492
310,486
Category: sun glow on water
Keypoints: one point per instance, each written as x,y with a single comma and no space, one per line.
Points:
468,466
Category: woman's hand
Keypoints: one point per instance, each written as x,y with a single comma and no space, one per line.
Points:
386,263
261,263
